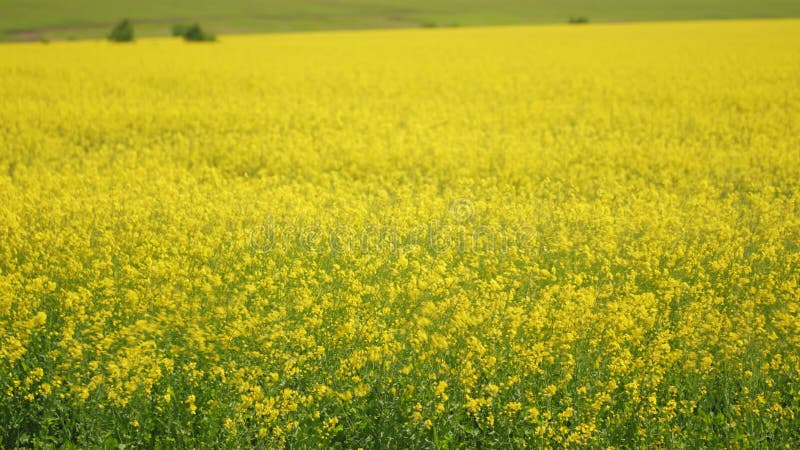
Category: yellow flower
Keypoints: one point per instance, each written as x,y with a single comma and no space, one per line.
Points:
361,390
359,217
190,402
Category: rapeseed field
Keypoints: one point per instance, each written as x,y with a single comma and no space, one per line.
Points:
513,237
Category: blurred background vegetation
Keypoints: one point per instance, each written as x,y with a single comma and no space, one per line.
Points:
79,19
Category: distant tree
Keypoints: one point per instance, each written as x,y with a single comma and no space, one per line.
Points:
180,29
196,34
122,32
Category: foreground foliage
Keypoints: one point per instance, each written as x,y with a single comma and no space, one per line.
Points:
499,237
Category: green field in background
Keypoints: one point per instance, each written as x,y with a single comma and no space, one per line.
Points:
58,19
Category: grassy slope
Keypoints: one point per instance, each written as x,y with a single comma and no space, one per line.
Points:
31,19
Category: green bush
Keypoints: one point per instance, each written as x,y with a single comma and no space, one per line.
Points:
196,34
578,20
122,32
180,29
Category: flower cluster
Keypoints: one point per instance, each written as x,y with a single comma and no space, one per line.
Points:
653,300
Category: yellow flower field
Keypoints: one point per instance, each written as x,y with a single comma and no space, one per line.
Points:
500,237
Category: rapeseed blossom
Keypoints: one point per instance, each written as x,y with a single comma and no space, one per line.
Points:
500,237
